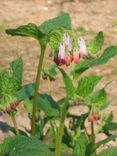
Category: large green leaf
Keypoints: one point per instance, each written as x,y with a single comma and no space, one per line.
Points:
11,79
29,30
70,90
87,84
109,152
86,64
96,44
24,146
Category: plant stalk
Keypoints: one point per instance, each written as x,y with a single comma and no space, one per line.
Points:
60,131
37,84
93,137
15,124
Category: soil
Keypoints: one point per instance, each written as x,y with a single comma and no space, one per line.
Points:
92,15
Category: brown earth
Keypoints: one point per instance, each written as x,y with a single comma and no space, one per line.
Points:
92,15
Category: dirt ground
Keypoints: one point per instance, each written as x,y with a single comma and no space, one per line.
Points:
92,15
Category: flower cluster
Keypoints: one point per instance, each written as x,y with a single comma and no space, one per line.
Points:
94,117
67,52
11,107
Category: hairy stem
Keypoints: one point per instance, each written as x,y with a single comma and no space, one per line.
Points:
60,131
15,124
37,84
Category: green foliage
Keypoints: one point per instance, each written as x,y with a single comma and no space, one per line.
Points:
70,90
11,80
50,73
48,105
97,99
24,146
96,44
86,64
29,30
60,21
40,32
87,84
109,152
10,83
80,145
25,92
105,141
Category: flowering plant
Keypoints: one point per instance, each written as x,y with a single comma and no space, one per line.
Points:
59,139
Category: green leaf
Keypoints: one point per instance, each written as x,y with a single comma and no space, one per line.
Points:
84,65
29,30
80,145
70,90
55,37
60,21
96,44
105,141
24,146
99,99
87,84
109,152
11,79
110,127
48,105
26,91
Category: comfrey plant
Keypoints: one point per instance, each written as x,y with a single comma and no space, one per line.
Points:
55,130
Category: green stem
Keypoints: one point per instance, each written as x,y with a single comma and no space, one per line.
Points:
93,136
60,131
37,84
15,124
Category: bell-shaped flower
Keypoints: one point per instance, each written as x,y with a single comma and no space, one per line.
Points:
76,56
82,47
67,41
61,53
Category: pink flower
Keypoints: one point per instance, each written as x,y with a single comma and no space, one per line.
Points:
82,47
67,41
61,53
76,56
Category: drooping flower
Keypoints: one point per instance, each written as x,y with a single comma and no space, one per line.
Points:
67,41
82,47
76,56
60,58
61,53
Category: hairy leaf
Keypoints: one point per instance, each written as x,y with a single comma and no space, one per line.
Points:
96,44
24,146
87,84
